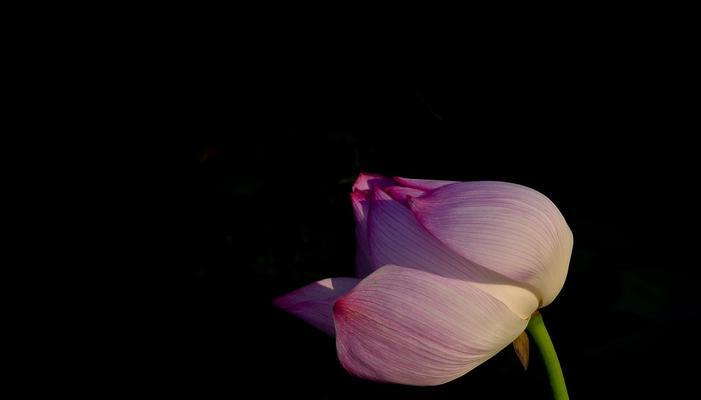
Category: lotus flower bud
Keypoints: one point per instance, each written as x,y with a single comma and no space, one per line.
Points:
448,274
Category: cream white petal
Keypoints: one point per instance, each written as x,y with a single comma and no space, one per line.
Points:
508,228
412,327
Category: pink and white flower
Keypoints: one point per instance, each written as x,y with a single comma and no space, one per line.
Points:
448,274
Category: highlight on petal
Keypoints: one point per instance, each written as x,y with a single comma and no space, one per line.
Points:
314,303
422,184
508,228
412,327
366,181
396,237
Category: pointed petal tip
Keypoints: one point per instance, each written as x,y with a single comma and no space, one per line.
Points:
313,303
366,181
359,201
285,302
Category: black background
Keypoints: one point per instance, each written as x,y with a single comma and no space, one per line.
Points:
267,141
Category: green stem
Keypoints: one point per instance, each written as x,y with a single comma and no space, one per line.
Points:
540,336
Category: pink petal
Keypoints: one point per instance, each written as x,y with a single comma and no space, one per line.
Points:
508,228
363,266
367,181
396,237
313,303
402,194
360,202
422,184
412,327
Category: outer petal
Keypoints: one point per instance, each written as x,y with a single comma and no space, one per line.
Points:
360,202
509,228
396,237
366,181
363,266
422,184
313,303
412,327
